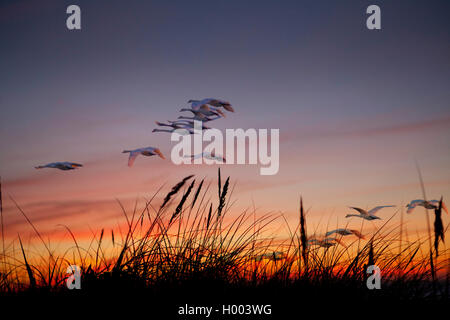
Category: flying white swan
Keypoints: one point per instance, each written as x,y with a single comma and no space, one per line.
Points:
368,215
149,151
187,130
325,243
208,113
197,105
345,232
180,124
200,117
430,204
204,110
276,255
172,124
61,165
208,155
214,102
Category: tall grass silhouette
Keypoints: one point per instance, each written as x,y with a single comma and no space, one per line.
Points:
194,246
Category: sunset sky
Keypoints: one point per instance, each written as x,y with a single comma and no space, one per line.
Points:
355,107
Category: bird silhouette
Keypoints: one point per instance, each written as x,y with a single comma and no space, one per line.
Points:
149,151
61,165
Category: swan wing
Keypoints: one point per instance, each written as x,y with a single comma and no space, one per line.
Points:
376,209
361,211
331,232
357,233
132,157
412,205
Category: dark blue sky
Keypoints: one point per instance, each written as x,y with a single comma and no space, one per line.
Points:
290,53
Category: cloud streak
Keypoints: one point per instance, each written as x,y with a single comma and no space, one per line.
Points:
368,130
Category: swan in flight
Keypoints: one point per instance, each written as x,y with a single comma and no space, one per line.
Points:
209,112
200,117
61,165
214,102
187,130
188,124
276,255
208,155
345,232
325,243
149,151
197,105
430,204
205,110
180,124
368,215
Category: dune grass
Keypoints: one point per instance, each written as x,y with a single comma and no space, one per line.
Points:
191,246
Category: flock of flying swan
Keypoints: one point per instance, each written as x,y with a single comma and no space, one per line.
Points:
205,110
327,241
210,109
